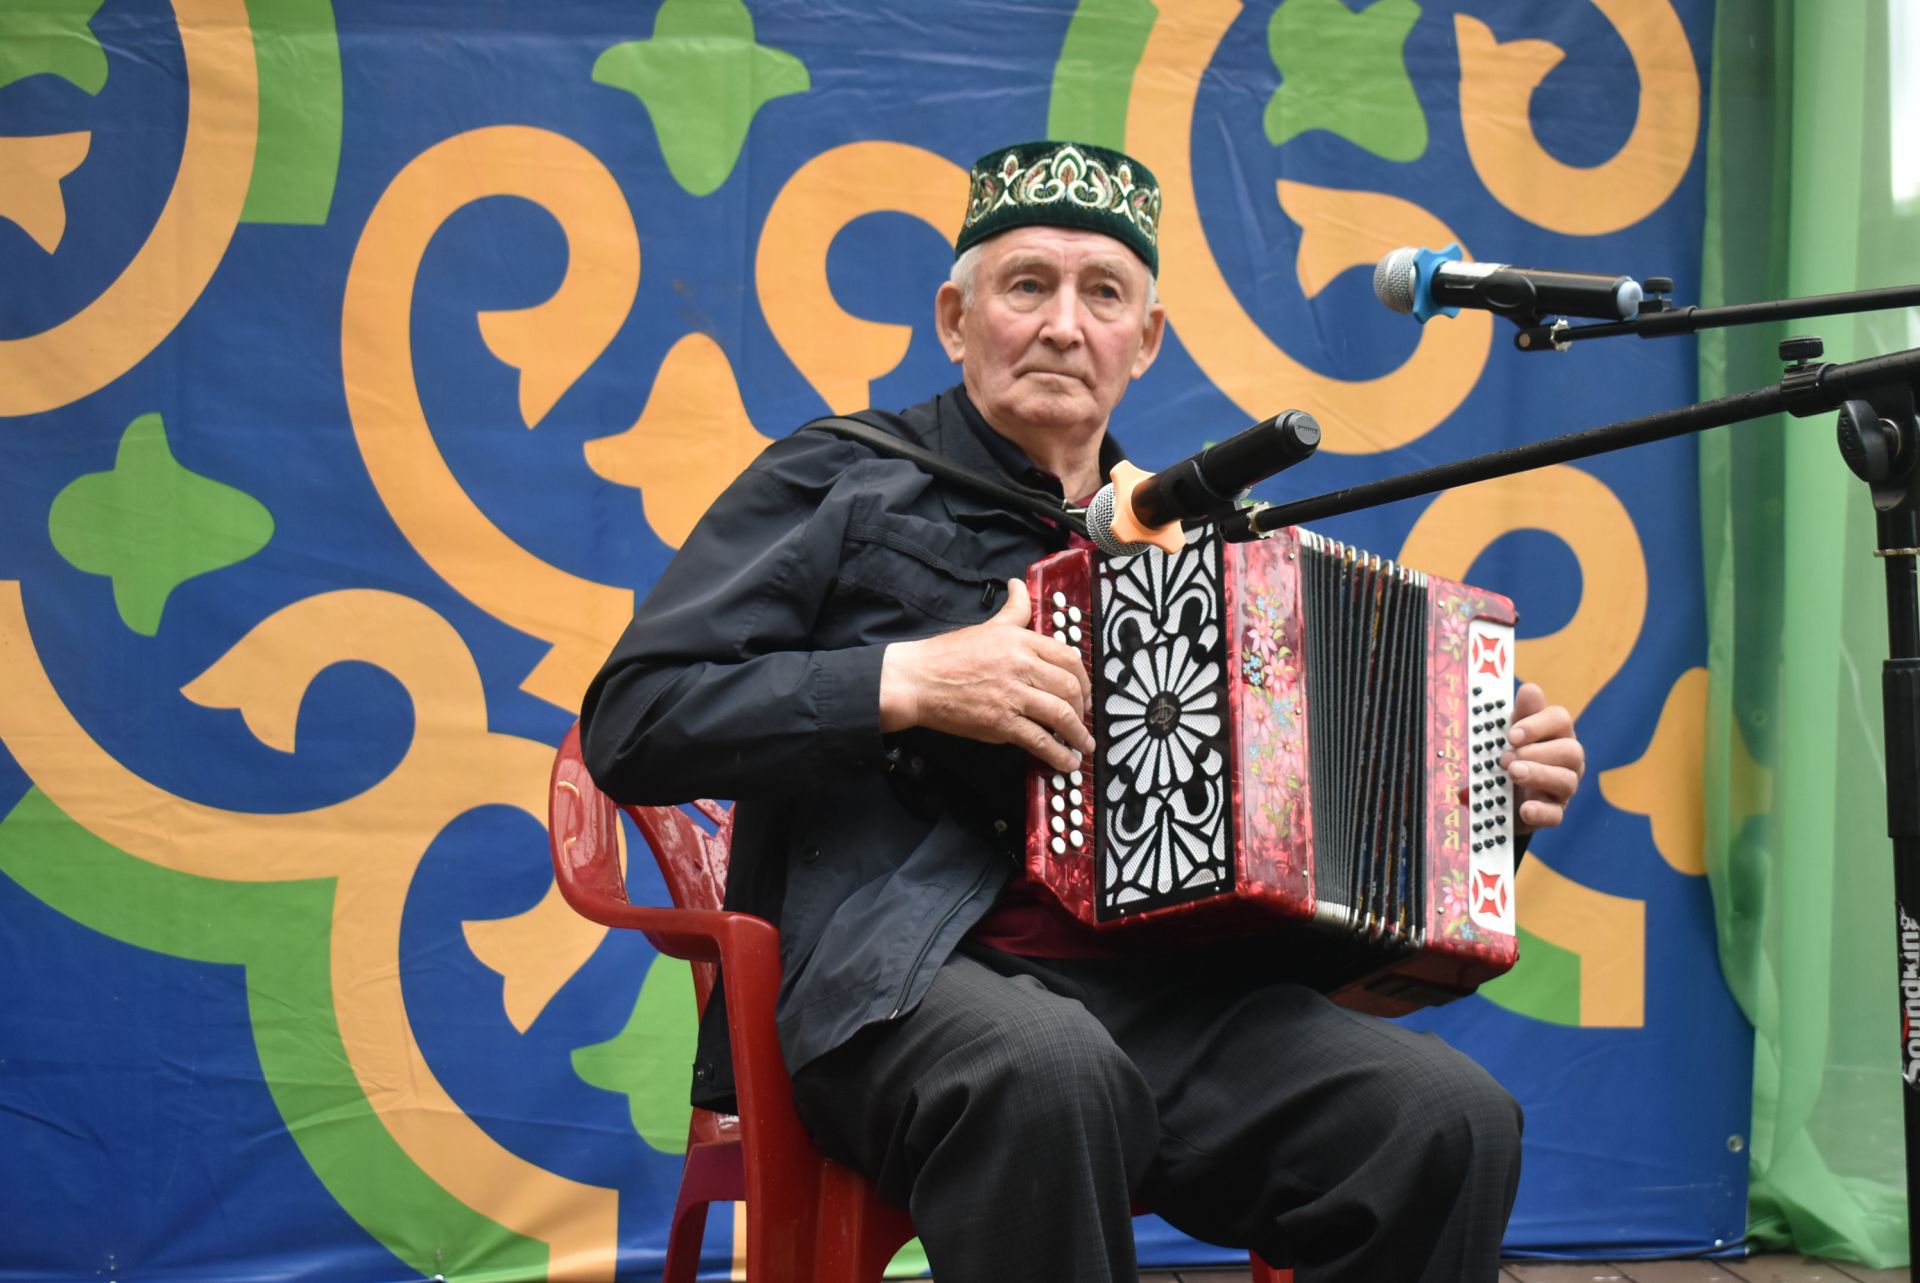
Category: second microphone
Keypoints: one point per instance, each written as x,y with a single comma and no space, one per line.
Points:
1138,510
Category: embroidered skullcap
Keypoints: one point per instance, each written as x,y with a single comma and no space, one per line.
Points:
1064,184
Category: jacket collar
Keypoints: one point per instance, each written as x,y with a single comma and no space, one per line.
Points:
964,435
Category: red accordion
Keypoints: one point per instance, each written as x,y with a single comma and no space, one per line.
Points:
1291,735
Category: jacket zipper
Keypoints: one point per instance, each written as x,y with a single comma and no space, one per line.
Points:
906,985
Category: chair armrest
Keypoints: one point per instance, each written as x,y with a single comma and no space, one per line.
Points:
698,935
748,951
583,828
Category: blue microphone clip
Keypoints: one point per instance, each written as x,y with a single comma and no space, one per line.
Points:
1424,263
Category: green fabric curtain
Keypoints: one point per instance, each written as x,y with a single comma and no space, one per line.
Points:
1806,195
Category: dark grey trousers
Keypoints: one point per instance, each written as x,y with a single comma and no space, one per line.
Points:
1023,1108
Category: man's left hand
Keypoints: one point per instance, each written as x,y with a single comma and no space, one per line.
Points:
1546,761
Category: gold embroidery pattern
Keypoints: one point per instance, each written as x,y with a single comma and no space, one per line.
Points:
1065,175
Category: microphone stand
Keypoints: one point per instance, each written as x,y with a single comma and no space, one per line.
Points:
1879,439
1660,319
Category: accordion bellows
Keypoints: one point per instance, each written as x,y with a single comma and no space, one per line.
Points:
1291,735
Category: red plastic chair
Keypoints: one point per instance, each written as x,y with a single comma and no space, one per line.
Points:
808,1218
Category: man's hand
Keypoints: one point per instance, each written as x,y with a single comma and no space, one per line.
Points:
998,681
1546,761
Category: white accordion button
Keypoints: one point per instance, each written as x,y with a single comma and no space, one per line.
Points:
1077,840
1077,818
1059,803
1059,619
1059,825
1073,614
1059,782
1073,634
1060,600
1073,778
1074,796
1059,846
1060,635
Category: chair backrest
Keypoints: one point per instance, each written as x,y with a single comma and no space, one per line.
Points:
584,827
692,860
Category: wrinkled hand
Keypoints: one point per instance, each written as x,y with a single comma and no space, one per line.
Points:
1546,762
997,681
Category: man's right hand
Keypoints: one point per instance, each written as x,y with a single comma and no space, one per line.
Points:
998,681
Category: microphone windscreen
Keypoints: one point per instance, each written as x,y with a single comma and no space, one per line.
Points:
1393,279
1100,514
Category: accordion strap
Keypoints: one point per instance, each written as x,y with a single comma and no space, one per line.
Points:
1009,493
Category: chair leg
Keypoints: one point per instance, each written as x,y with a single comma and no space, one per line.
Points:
712,1174
684,1237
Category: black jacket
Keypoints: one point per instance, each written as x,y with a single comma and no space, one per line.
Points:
752,671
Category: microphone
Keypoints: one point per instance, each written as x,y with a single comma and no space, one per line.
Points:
1139,510
1422,282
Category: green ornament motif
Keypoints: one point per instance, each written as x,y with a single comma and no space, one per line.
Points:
150,525
51,37
1093,80
1544,986
647,1060
297,154
702,77
1346,72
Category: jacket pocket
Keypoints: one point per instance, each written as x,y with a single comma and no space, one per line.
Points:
920,566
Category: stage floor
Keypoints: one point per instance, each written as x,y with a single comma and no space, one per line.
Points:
1757,1269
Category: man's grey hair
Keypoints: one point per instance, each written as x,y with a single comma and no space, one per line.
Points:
967,267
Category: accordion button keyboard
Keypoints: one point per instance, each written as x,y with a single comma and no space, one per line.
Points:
1490,710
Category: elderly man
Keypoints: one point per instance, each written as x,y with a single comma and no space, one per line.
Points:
841,645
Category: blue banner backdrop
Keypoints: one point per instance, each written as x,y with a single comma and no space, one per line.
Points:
358,367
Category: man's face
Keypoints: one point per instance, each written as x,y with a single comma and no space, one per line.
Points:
1058,326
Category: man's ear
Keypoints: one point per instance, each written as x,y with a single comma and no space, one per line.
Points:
1155,330
947,311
